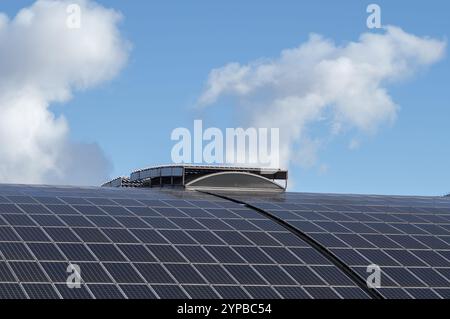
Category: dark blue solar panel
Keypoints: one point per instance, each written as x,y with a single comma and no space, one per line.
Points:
231,292
137,292
322,293
303,275
46,251
11,291
380,234
106,252
9,209
92,273
40,291
165,253
200,292
76,252
64,235
196,254
245,275
292,292
28,271
275,275
169,292
67,293
136,253
15,251
132,243
144,211
106,292
185,273
123,273
6,274
254,255
262,292
225,254
154,273
89,210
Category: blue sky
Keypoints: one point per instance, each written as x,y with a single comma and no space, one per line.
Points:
177,43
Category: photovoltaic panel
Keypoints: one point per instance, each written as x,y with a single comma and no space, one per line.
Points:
216,274
245,275
6,274
403,235
76,252
15,251
64,235
231,292
165,253
40,291
225,255
19,220
282,255
136,253
34,209
292,292
68,293
274,275
62,210
11,291
47,220
106,252
137,292
159,223
46,251
28,272
90,235
132,243
123,273
106,291
196,254
149,236
264,292
102,221
169,292
200,292
177,237
351,293
254,255
185,273
322,293
9,209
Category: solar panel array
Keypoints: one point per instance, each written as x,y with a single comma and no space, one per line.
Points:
131,243
407,237
153,243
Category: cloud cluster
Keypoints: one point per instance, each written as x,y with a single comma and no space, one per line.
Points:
43,61
346,85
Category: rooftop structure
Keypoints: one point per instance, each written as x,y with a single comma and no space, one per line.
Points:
196,177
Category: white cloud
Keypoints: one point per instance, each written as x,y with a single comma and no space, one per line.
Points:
42,61
347,85
354,144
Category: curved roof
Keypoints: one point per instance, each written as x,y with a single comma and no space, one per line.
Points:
407,237
158,243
